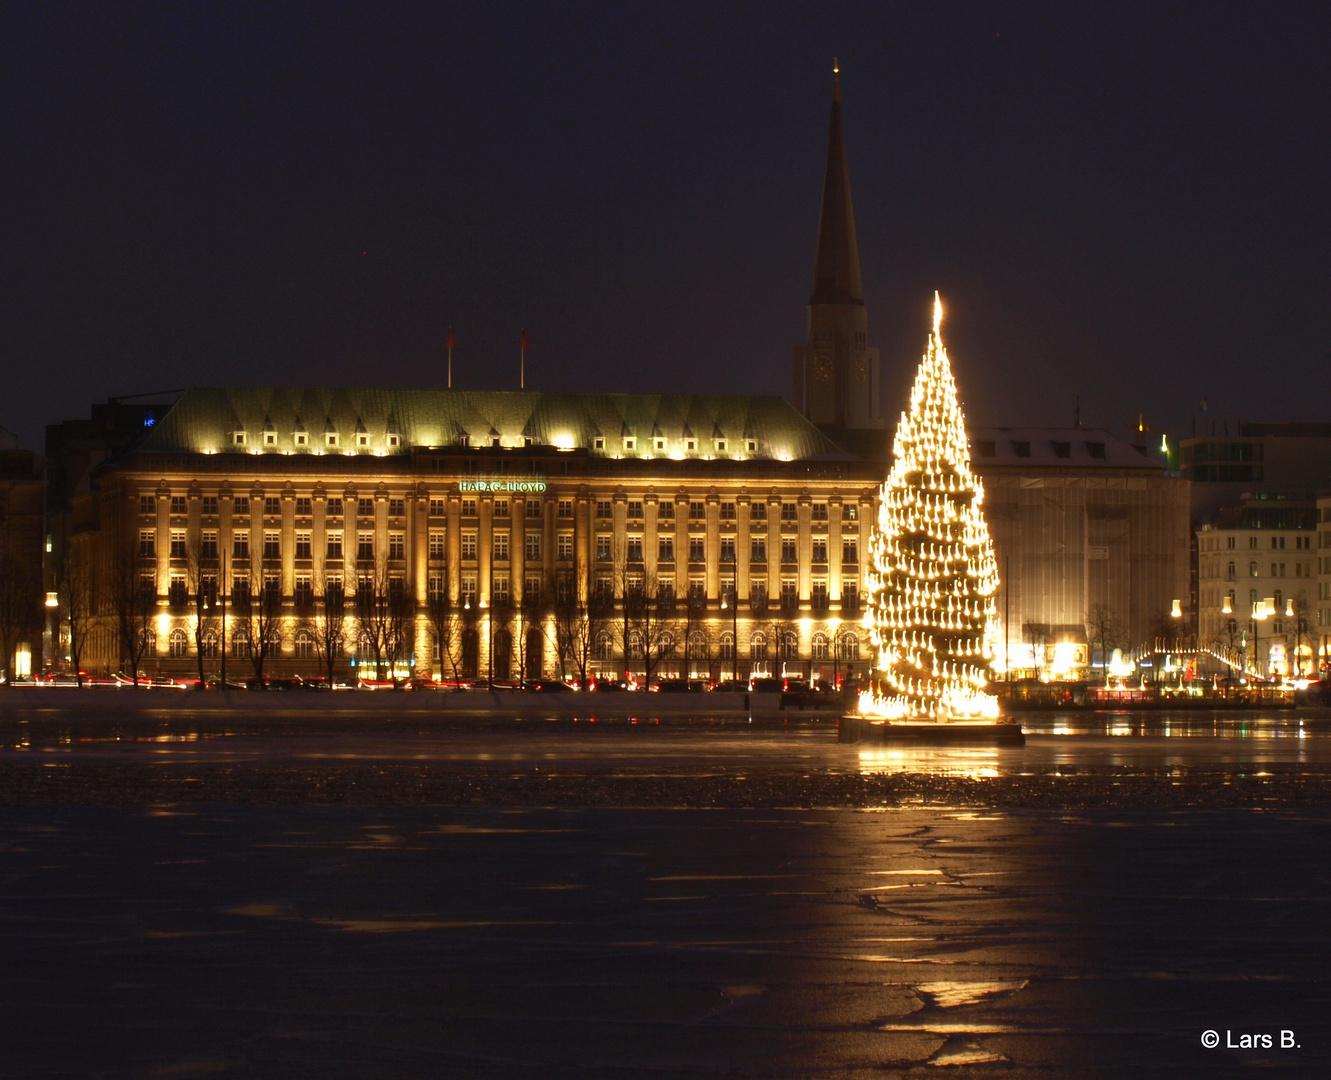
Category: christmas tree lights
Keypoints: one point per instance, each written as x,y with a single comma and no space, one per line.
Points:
932,575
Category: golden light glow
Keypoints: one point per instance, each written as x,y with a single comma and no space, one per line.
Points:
932,575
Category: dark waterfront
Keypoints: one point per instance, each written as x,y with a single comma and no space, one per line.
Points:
245,897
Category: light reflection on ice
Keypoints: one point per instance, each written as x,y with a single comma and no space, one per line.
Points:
974,762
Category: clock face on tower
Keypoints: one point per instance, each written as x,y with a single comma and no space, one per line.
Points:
822,367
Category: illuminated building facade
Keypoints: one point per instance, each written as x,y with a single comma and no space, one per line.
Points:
1257,586
738,520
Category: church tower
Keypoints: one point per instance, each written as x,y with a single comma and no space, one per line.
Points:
836,372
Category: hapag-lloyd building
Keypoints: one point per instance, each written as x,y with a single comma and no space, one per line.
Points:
499,501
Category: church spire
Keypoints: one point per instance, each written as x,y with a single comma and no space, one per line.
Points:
836,269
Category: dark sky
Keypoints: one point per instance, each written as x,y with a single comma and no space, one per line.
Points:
1126,201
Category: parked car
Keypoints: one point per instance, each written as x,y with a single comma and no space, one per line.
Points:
670,686
765,686
548,686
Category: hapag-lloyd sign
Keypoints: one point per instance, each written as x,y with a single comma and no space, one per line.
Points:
533,485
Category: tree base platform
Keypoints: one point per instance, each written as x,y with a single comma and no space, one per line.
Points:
859,729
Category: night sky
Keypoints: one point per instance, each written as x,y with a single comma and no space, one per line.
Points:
1125,201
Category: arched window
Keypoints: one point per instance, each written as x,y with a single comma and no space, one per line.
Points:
148,639
208,643
635,643
727,645
1231,569
667,644
604,649
1252,569
1252,596
757,645
304,645
178,643
240,643
850,645
789,646
819,646
697,645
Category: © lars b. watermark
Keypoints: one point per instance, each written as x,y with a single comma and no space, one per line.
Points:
1250,1040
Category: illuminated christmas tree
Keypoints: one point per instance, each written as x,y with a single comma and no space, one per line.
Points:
933,576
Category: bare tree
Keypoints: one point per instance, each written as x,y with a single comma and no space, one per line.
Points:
579,621
201,578
329,624
259,606
75,589
134,601
445,617
528,617
374,612
401,623
1102,632
1036,635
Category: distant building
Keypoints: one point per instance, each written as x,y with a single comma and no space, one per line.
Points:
1257,586
22,520
1323,609
1258,459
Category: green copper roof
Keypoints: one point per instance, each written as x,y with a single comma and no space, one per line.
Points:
207,419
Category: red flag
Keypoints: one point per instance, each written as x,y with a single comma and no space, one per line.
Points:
524,339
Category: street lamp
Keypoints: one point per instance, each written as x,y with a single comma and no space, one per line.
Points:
1260,611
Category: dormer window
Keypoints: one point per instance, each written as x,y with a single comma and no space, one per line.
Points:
1096,449
692,444
362,440
238,438
301,438
392,440
494,440
1062,449
1021,448
630,442
331,438
270,438
660,444
720,446
598,443
527,440
753,446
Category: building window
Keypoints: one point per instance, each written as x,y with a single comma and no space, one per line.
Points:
660,444
178,592
848,645
1252,568
365,545
437,508
397,545
752,446
789,512
727,549
635,549
603,549
304,545
820,511
850,597
272,545
818,646
533,508
635,511
565,508
240,506
788,646
820,549
238,438
818,596
728,511
697,549
564,546
501,508
147,504
697,592
301,438
435,588
789,550
531,548
665,594
334,508
240,545
467,591
469,544
499,591
178,644
758,646
272,506
147,543
758,512
757,597
665,549
397,507
303,645
850,512
500,546
691,444
1230,576
665,512
208,544
790,597
365,508
270,438
178,549
179,505
208,504
598,443
850,552
304,594
468,507
603,508
697,511
334,547
437,541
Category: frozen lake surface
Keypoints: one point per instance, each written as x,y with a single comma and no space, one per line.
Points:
523,898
